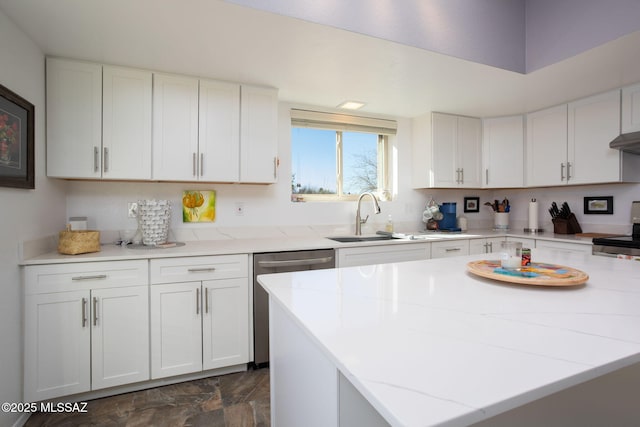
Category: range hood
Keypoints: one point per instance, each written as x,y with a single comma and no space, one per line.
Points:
627,142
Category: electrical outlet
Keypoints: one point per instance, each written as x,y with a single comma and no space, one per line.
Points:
132,209
239,208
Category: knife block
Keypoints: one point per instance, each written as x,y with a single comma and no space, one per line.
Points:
569,225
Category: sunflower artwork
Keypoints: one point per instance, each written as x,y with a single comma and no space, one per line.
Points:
198,206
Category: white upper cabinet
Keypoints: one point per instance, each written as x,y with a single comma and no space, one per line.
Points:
74,122
259,135
593,123
175,128
456,151
219,135
98,121
547,147
631,109
126,123
503,152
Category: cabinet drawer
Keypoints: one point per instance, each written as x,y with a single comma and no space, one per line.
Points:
85,275
564,246
189,269
449,248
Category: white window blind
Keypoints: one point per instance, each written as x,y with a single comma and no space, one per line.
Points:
343,122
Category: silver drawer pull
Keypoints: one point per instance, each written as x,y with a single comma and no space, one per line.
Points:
95,311
84,312
97,276
295,262
197,301
201,270
452,249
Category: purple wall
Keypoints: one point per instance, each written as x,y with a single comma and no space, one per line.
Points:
517,35
559,29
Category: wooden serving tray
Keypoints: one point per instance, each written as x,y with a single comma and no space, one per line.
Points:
540,274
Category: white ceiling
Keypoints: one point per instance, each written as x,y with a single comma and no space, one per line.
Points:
311,64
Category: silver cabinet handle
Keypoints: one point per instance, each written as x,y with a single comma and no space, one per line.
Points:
194,165
206,300
490,247
201,164
197,301
97,276
568,171
561,171
452,249
295,262
458,176
95,311
201,270
96,162
486,172
275,167
84,312
105,160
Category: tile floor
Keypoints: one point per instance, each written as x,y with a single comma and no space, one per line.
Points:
234,400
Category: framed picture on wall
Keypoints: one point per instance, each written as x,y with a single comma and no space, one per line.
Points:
598,205
16,141
472,204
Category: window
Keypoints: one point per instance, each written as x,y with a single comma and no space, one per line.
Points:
338,157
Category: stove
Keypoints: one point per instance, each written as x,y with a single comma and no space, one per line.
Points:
623,245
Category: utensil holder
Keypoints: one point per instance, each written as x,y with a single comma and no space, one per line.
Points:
154,217
569,225
501,220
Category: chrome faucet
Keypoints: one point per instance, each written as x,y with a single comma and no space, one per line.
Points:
359,220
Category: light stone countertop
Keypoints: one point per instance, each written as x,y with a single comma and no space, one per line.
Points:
427,343
245,244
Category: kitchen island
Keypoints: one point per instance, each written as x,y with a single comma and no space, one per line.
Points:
426,343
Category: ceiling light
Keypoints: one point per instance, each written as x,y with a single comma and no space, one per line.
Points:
351,105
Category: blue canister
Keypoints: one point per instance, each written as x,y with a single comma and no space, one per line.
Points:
449,221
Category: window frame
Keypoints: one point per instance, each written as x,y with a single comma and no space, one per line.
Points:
383,192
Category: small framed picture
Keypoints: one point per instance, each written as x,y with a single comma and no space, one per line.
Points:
598,205
472,204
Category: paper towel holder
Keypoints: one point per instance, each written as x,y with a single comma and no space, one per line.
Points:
533,230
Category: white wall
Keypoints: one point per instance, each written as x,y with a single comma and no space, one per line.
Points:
24,214
105,203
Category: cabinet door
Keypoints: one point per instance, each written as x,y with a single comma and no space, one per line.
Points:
219,136
631,109
126,123
349,257
175,128
120,336
57,345
547,147
74,119
449,248
258,135
444,137
176,329
593,123
485,246
503,152
225,323
469,152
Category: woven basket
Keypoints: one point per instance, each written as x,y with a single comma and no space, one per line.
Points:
78,242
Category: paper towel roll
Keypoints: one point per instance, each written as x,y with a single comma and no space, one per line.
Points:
533,215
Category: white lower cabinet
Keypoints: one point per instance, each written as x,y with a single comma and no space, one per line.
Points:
485,246
526,243
86,327
367,255
449,248
564,246
199,314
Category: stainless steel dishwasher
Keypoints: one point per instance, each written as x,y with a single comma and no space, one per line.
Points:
279,262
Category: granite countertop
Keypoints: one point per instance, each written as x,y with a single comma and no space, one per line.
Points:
426,342
112,252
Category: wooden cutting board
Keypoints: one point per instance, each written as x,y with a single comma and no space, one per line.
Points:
596,234
540,274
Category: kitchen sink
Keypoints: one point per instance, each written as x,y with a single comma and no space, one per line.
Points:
348,239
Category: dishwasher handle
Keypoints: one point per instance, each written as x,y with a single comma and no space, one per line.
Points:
295,262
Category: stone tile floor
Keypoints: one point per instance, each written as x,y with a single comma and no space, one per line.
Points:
234,400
